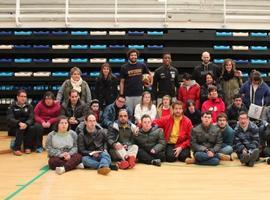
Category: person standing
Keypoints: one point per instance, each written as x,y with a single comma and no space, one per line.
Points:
131,83
166,80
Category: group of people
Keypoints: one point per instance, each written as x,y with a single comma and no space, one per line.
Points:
160,119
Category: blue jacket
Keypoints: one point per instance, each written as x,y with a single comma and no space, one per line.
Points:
248,139
109,115
262,94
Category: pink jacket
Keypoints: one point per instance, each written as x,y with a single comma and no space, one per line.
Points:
43,113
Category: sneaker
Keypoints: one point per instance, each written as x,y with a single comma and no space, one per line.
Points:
60,170
156,162
253,157
268,160
104,170
132,161
27,151
39,150
190,161
114,167
80,166
123,164
224,157
17,153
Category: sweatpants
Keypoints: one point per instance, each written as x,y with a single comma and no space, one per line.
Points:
170,157
70,164
147,157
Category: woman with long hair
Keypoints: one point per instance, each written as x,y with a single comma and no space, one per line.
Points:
230,80
106,89
145,107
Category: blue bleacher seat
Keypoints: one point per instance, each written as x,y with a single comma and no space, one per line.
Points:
244,74
240,61
41,60
6,74
117,46
155,46
79,33
135,32
6,60
259,48
79,60
94,74
218,61
60,74
222,47
77,46
258,61
23,60
22,46
140,60
41,46
155,33
5,32
59,32
258,34
41,32
117,60
224,34
22,32
135,46
98,46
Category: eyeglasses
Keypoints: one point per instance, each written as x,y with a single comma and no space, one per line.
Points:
23,96
120,101
122,115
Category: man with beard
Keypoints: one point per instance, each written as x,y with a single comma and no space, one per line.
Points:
131,75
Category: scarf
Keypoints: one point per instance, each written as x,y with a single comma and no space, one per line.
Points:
228,76
77,85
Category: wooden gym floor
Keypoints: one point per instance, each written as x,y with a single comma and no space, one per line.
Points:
28,177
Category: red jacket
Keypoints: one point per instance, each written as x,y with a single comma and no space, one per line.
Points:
44,113
166,123
216,106
193,93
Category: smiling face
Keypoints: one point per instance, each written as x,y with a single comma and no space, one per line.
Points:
105,71
76,75
243,120
229,66
209,79
146,98
133,57
146,124
22,98
206,57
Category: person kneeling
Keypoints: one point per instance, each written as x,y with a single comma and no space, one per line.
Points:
92,146
151,143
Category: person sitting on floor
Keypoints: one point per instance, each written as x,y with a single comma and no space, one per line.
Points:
206,141
246,140
177,128
227,134
61,146
151,143
120,140
92,145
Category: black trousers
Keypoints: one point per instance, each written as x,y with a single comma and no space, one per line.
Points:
24,137
170,157
39,132
147,157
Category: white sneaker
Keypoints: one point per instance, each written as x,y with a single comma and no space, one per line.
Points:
80,166
60,170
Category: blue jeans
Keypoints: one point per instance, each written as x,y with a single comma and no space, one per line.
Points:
103,160
203,159
226,149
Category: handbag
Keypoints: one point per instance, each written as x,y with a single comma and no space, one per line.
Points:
255,111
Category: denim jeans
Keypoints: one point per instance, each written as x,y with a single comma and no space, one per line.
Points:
203,159
103,160
226,149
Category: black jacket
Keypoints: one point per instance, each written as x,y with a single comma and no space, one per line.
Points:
66,109
201,70
106,91
233,114
165,82
96,141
